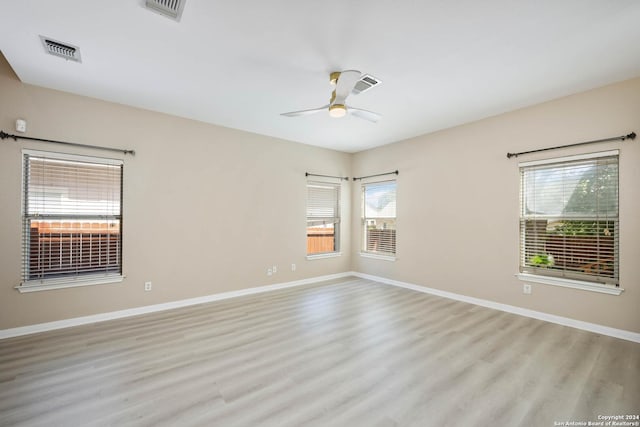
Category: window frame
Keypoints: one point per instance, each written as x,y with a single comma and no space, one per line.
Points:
335,220
560,277
80,278
383,255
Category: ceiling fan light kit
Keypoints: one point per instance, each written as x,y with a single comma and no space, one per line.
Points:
346,83
337,110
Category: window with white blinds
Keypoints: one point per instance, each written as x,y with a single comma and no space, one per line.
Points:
569,218
379,218
72,217
323,217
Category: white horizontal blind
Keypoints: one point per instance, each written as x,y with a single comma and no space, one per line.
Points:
72,217
379,217
569,219
323,217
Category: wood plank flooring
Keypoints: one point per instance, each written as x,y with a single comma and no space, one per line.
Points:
349,352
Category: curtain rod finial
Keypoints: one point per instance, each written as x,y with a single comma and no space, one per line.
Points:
632,135
4,135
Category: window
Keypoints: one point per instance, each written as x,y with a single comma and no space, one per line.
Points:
569,218
72,219
379,218
323,218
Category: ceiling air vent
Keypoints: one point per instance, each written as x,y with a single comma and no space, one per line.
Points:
169,8
63,50
365,83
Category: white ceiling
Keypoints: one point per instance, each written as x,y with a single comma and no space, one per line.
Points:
241,63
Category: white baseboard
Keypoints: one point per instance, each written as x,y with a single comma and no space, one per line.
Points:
565,321
76,321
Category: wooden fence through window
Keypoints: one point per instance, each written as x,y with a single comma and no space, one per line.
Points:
61,248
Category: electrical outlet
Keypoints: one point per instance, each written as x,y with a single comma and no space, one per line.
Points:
274,269
293,267
147,286
526,288
269,272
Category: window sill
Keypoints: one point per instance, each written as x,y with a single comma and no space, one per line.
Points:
378,256
326,255
51,284
568,283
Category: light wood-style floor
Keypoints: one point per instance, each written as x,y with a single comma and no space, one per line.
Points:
349,352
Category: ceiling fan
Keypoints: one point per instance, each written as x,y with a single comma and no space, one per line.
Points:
344,82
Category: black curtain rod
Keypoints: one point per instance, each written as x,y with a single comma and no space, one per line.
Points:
373,176
632,135
4,135
345,178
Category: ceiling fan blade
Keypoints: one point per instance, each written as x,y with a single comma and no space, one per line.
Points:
305,112
364,114
346,82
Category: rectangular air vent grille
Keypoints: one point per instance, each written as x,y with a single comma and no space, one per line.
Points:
365,83
169,8
63,50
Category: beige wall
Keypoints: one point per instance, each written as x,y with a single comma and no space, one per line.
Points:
458,203
206,209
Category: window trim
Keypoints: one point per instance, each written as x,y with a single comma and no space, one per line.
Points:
51,284
585,156
88,279
570,283
324,255
378,256
388,256
552,280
